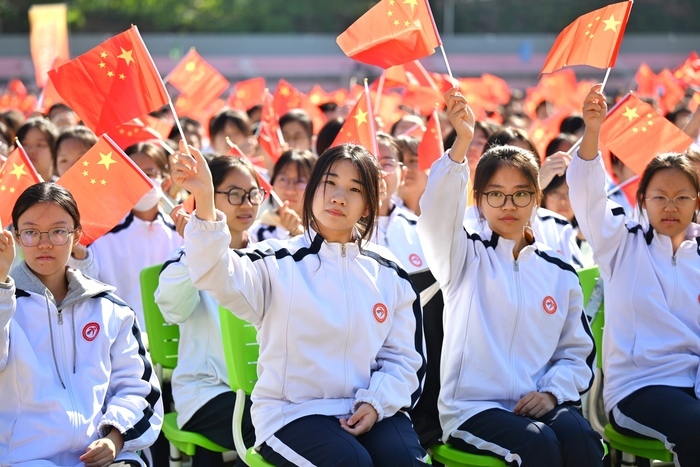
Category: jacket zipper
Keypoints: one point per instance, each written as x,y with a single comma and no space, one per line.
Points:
348,311
66,372
516,269
674,262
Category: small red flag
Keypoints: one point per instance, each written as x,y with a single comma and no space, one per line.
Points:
646,81
112,83
160,126
636,133
359,127
17,175
197,80
431,147
106,185
286,98
592,39
670,91
132,132
269,134
247,94
392,32
689,72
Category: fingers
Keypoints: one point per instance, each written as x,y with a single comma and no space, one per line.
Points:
522,402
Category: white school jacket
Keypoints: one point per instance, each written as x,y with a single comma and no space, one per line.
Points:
200,374
118,257
511,327
652,324
337,326
549,228
69,373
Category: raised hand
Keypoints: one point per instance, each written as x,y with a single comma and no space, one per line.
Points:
594,111
192,173
181,218
289,219
553,165
462,119
7,254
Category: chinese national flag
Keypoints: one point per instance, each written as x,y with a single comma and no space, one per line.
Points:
359,127
286,98
317,96
592,39
197,80
269,134
112,83
430,148
646,81
16,175
106,185
670,91
132,132
541,132
392,32
247,94
689,72
160,126
636,133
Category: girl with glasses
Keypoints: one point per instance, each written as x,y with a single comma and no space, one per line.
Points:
77,384
517,350
339,325
203,399
289,178
651,339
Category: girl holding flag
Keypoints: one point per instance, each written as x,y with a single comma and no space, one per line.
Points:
651,340
339,324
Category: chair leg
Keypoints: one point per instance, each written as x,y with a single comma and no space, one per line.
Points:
175,456
628,460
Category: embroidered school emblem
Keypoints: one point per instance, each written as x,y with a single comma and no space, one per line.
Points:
549,305
380,312
90,331
415,260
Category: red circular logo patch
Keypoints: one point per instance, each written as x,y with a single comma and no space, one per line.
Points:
90,331
380,312
415,260
549,305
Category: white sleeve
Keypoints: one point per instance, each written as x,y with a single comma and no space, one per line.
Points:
571,372
602,221
8,303
396,384
88,266
237,281
440,225
176,295
134,404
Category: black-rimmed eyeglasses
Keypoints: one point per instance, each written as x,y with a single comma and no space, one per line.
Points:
237,196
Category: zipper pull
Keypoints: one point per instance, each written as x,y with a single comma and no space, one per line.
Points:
515,266
342,250
60,317
673,260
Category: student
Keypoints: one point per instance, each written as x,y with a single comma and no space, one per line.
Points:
203,399
414,183
338,323
145,237
235,125
72,143
77,384
62,116
289,178
297,129
38,137
651,340
518,351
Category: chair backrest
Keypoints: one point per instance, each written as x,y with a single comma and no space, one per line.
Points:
588,278
241,351
163,337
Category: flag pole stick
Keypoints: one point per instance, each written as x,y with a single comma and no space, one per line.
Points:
380,90
179,126
40,101
605,80
447,64
622,185
372,122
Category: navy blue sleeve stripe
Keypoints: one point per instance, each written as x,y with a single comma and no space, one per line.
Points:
165,221
300,254
410,221
558,220
618,211
556,261
124,225
590,360
171,261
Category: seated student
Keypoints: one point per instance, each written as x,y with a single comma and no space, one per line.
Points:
235,125
203,399
339,324
297,129
144,238
518,352
72,143
38,137
289,178
651,340
77,384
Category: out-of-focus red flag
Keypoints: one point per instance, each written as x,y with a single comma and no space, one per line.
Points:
17,175
196,79
112,83
106,185
431,147
247,94
646,81
286,98
269,134
592,39
160,126
392,32
670,91
636,133
132,132
359,127
689,72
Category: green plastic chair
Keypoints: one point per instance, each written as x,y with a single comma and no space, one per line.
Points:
629,446
452,457
163,341
241,351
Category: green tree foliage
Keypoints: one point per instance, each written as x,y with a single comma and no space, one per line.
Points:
333,16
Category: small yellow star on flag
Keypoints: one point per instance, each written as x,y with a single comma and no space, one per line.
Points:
406,23
591,36
648,115
413,3
121,76
12,189
391,2
2,188
85,173
396,22
93,181
126,55
390,13
103,55
361,117
18,171
611,24
650,123
106,160
85,163
631,114
102,64
110,74
103,182
635,130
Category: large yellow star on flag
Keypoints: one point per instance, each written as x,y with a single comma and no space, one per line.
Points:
126,55
18,170
361,117
631,114
413,3
611,24
106,160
